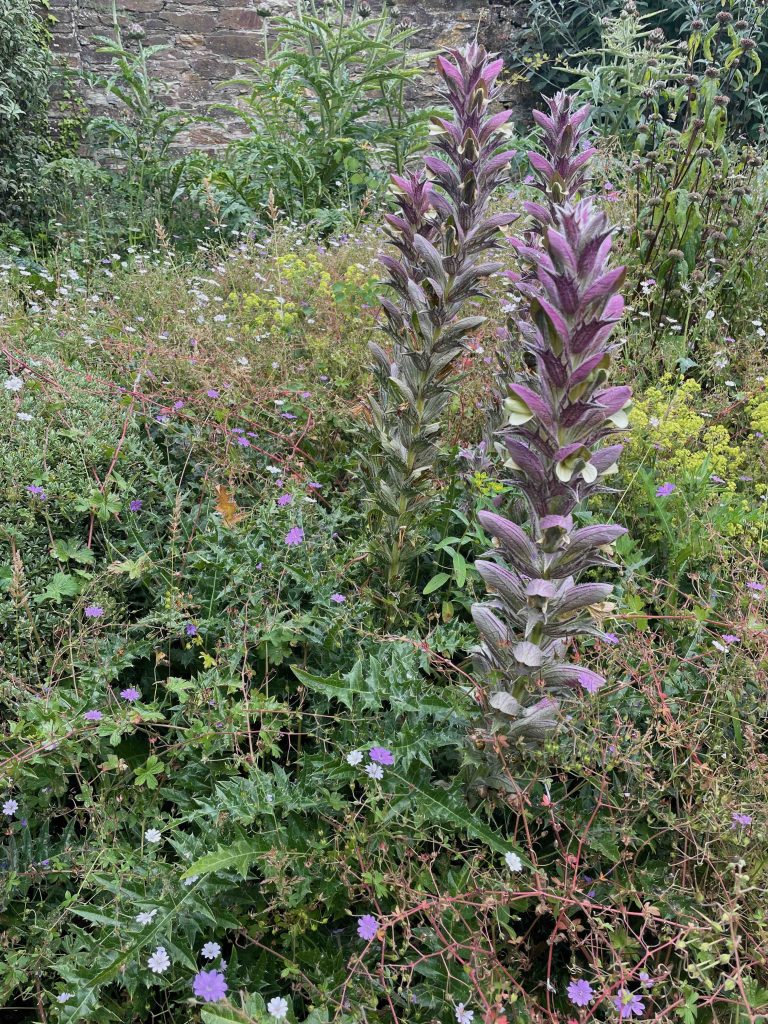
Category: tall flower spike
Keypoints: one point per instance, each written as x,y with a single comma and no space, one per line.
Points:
560,175
440,232
559,416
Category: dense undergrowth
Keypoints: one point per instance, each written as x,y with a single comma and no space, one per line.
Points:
244,766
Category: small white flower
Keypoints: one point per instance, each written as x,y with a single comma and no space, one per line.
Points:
278,1008
153,835
211,950
464,1016
719,647
64,997
13,383
146,916
191,880
10,807
512,861
709,315
159,962
355,757
25,417
374,771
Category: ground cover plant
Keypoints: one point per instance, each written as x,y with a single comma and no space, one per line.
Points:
366,653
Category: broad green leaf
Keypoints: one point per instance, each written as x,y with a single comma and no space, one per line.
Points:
237,857
436,582
445,806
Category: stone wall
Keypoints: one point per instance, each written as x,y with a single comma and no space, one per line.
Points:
208,39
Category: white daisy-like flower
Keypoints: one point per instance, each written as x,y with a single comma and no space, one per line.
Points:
463,1015
719,647
374,771
13,383
64,997
211,950
278,1008
512,861
25,417
146,916
191,880
355,757
10,807
153,835
159,962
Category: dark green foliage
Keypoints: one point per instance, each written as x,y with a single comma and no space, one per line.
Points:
25,76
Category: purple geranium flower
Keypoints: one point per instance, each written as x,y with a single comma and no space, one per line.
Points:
190,629
210,986
338,598
93,716
367,927
758,587
730,638
740,820
136,505
131,694
37,492
381,755
580,992
284,499
244,442
628,1003
212,393
665,490
294,536
94,611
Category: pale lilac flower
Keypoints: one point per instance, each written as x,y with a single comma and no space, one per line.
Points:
610,638
381,755
645,979
212,393
10,807
94,611
284,499
146,916
355,757
64,997
159,962
37,492
314,485
730,638
294,536
278,1008
367,927
665,490
580,992
463,1015
210,950
757,587
210,986
628,1003
740,820
338,598
374,771
590,681
25,417
93,716
512,861
131,694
